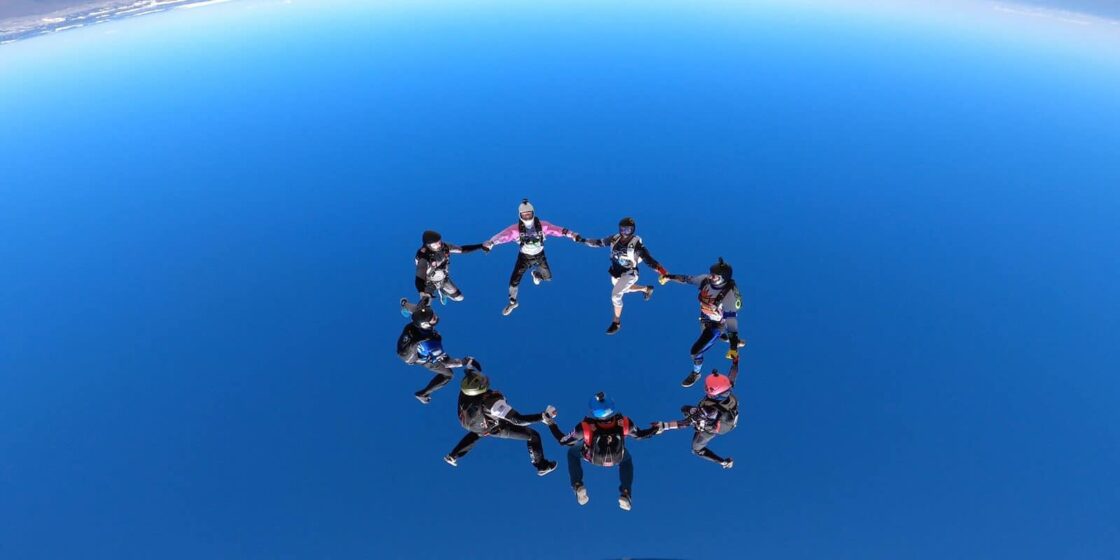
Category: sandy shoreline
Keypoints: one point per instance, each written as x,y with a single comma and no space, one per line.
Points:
31,20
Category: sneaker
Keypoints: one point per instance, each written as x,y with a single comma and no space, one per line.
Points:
581,493
649,292
451,460
404,308
420,396
545,467
614,328
509,308
727,463
536,278
624,500
690,380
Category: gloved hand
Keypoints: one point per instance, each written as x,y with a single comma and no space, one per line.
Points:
663,279
579,239
486,248
733,354
549,415
727,463
572,235
662,426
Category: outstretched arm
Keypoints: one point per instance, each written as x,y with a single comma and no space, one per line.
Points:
552,230
456,249
593,242
567,439
644,433
650,261
505,236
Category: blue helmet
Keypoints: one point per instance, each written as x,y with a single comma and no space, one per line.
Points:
601,407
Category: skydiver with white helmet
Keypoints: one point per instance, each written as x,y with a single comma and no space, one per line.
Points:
719,304
600,439
715,415
433,268
484,412
530,233
420,344
627,250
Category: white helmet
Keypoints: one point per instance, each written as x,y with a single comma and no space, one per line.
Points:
526,208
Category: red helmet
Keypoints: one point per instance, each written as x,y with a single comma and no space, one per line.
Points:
717,385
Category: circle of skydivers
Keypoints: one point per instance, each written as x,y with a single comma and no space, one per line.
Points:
600,438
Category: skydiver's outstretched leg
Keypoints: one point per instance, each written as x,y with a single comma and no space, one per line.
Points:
533,442
626,480
542,272
450,290
575,473
462,448
702,344
700,448
442,377
519,267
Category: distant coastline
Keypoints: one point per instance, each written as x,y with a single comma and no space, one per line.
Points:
16,24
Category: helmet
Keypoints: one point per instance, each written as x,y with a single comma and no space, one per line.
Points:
474,384
431,237
626,226
717,385
424,317
525,208
721,268
601,407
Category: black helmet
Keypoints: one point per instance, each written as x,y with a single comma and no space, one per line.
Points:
424,315
721,268
627,222
474,384
431,237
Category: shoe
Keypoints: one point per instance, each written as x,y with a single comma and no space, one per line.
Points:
614,327
581,493
690,380
509,308
545,467
624,500
451,460
420,396
404,308
727,463
649,292
536,278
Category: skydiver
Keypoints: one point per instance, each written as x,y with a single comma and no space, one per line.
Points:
719,303
600,439
419,343
484,412
715,415
530,233
433,268
627,250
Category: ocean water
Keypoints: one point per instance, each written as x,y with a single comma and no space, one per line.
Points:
208,217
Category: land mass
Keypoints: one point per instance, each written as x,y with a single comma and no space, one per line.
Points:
22,19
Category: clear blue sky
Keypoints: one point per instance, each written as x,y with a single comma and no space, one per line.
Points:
205,236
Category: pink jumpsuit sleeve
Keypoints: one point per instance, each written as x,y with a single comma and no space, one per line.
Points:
553,230
505,236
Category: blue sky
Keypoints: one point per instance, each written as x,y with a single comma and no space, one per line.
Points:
207,236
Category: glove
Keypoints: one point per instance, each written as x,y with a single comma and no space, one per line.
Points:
487,245
549,415
732,355
485,248
663,279
579,239
572,235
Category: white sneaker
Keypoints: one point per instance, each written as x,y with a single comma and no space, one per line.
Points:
509,308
